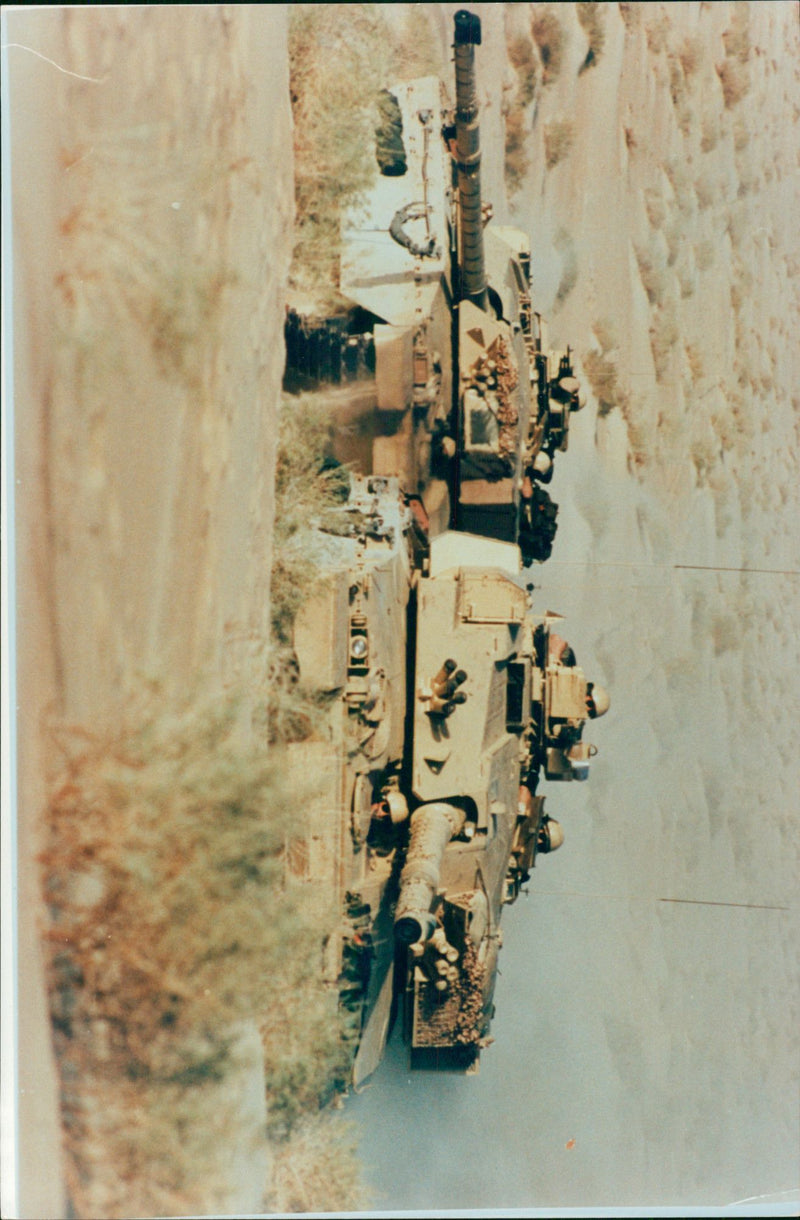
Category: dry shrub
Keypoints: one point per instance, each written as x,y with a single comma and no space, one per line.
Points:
602,370
704,454
677,82
737,37
340,56
687,279
674,236
694,357
631,14
652,272
522,58
686,118
551,39
681,183
704,255
709,133
656,207
656,28
606,334
170,928
569,267
741,134
591,15
690,56
603,376
317,1170
517,162
664,334
705,190
734,77
558,137
304,485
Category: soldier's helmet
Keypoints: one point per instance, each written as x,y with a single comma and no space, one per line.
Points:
542,463
598,700
552,836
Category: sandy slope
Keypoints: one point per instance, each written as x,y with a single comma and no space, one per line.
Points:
152,198
637,1017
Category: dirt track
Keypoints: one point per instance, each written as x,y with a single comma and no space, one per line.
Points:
152,199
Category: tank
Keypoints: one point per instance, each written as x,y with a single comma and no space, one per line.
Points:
442,698
459,394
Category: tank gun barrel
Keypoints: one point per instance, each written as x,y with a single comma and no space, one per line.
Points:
432,828
468,160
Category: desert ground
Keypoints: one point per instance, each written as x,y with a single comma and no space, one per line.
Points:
646,1045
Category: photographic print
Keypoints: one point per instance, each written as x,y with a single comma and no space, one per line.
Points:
401,609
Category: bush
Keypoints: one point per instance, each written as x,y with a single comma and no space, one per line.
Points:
690,56
558,137
517,162
602,370
652,273
664,334
317,1170
592,17
656,29
550,37
704,255
709,133
304,486
569,267
523,60
735,80
602,375
163,872
737,37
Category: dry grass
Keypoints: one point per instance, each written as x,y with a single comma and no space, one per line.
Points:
656,207
558,137
551,39
709,132
737,36
631,14
664,335
656,28
569,267
695,361
690,56
602,371
170,929
591,15
735,80
741,134
303,487
652,272
522,57
517,162
340,56
706,191
317,1170
704,255
681,182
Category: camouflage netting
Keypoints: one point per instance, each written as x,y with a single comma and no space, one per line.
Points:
389,148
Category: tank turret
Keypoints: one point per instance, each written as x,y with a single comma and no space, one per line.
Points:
445,379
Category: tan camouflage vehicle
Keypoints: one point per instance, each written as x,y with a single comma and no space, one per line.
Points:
463,400
441,702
